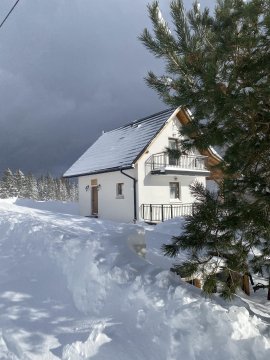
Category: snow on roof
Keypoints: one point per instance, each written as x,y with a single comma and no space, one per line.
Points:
119,148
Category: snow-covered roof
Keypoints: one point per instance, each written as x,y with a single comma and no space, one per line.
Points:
119,148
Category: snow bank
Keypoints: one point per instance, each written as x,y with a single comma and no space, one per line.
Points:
75,288
162,234
52,205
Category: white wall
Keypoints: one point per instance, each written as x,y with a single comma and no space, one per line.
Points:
151,189
109,206
154,189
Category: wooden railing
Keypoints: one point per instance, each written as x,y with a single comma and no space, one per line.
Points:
163,160
162,212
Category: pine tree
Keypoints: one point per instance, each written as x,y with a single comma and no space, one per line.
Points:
218,66
64,189
41,188
46,188
2,190
74,195
20,184
9,188
31,190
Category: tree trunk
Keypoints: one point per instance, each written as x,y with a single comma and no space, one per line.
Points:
245,284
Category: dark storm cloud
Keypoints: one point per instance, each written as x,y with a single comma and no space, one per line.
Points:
68,70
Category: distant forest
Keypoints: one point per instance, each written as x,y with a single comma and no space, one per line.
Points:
45,187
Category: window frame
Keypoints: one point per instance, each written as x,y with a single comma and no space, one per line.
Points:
173,144
178,191
175,141
120,194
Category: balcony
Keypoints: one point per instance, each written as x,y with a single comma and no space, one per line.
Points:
154,213
163,164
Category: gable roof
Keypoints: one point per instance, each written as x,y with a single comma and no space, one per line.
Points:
119,148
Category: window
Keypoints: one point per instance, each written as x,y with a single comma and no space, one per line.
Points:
119,190
94,182
173,152
174,191
173,144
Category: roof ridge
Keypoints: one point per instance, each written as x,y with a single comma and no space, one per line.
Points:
141,120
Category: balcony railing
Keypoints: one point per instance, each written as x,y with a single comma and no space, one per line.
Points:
162,212
162,161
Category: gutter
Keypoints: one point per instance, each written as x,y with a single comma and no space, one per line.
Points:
134,195
97,172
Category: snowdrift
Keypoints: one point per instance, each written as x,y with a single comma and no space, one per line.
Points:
74,288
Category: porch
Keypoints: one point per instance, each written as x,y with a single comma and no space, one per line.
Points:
162,163
155,213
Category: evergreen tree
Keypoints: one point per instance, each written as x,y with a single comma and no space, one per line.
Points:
20,184
74,194
43,188
9,188
31,191
46,188
218,66
64,193
2,190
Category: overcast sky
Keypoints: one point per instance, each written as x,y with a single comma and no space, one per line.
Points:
68,70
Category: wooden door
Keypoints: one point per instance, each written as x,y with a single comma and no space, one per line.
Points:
94,198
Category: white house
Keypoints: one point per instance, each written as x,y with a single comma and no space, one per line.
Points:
127,175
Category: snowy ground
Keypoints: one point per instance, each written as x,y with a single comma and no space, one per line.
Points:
75,288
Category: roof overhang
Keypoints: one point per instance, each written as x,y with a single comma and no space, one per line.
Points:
98,172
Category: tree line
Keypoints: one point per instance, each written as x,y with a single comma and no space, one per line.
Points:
44,187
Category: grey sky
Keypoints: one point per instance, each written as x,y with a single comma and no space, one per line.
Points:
68,70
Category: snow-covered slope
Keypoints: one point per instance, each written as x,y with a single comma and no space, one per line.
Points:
75,288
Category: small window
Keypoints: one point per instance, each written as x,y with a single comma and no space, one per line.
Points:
173,152
93,182
119,190
173,144
174,191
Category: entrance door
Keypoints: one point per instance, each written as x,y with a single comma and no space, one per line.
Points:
94,198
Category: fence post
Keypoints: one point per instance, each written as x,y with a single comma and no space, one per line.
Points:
171,211
162,215
143,211
150,212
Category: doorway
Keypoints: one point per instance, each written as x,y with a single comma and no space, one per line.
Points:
94,200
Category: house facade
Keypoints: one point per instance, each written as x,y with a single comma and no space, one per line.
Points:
127,174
